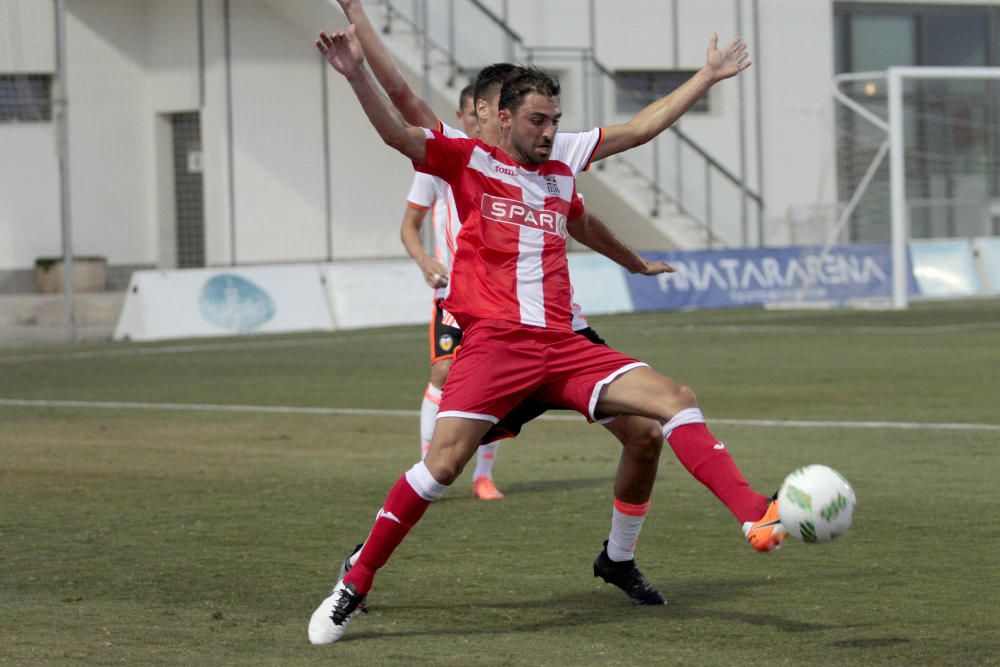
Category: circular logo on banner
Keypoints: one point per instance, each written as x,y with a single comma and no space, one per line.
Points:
236,304
445,342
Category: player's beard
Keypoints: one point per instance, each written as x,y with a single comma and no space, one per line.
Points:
528,150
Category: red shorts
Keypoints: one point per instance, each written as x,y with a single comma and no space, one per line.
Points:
502,364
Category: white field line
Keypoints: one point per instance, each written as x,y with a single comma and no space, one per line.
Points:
277,409
640,327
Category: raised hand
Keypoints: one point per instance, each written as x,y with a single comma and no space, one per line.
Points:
728,61
342,50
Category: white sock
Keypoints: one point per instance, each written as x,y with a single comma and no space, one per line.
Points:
423,483
484,460
626,523
685,416
428,415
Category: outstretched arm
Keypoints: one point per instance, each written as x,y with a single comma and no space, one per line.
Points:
344,54
591,231
435,273
719,64
414,109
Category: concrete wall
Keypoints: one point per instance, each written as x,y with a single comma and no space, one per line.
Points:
29,214
111,128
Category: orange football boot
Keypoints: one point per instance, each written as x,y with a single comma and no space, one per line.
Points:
484,489
766,533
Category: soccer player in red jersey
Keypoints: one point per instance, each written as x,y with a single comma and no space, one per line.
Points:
510,292
641,438
640,455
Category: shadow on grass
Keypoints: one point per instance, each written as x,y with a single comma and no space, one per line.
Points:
873,642
536,486
593,608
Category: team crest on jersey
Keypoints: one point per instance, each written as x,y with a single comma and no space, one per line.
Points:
446,342
552,185
514,212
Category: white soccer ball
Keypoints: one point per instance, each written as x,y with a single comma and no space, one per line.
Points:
816,504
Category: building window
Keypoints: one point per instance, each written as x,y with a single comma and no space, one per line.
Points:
25,97
635,89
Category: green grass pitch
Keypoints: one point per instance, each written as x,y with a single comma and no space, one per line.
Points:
206,537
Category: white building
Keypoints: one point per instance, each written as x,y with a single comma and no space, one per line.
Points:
209,132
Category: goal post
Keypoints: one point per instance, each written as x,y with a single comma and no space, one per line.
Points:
931,145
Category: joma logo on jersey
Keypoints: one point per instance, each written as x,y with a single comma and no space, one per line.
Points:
552,185
510,171
517,213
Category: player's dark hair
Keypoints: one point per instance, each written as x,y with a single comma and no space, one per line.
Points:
467,93
524,82
490,80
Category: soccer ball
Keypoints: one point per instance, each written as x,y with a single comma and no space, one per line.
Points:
816,504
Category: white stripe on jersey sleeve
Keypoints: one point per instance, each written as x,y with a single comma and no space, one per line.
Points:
450,132
575,148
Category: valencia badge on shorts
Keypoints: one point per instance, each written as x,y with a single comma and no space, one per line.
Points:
446,342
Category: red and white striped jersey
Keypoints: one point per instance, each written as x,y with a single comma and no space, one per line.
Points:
510,257
576,149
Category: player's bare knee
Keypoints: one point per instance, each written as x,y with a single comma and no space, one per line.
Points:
444,469
681,398
651,438
646,443
447,457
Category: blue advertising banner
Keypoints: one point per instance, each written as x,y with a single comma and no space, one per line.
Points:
746,277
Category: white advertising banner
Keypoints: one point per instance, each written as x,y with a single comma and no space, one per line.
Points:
191,303
377,294
599,285
944,268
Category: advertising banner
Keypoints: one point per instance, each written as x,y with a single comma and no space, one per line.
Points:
192,303
747,277
599,284
377,293
944,268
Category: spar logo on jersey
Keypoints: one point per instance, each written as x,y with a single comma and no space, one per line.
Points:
514,212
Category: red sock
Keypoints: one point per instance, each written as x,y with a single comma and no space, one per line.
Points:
402,509
698,451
